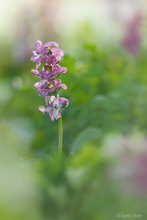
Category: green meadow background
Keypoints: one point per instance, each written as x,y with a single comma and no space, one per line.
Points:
102,172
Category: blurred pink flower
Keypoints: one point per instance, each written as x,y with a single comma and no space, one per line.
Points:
132,38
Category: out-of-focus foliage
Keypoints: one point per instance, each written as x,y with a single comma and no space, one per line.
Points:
107,89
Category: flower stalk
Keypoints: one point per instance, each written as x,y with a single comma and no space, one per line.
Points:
47,70
60,144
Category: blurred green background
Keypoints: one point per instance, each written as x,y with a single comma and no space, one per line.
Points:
102,174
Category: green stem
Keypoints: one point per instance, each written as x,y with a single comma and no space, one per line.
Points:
60,136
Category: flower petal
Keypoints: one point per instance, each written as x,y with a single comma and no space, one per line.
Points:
64,102
58,53
38,45
42,109
51,44
63,86
38,65
57,113
35,72
51,114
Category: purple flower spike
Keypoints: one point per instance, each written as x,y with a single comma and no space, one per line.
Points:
49,84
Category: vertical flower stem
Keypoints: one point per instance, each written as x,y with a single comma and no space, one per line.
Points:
60,136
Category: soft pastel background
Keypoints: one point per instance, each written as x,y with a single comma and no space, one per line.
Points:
103,172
